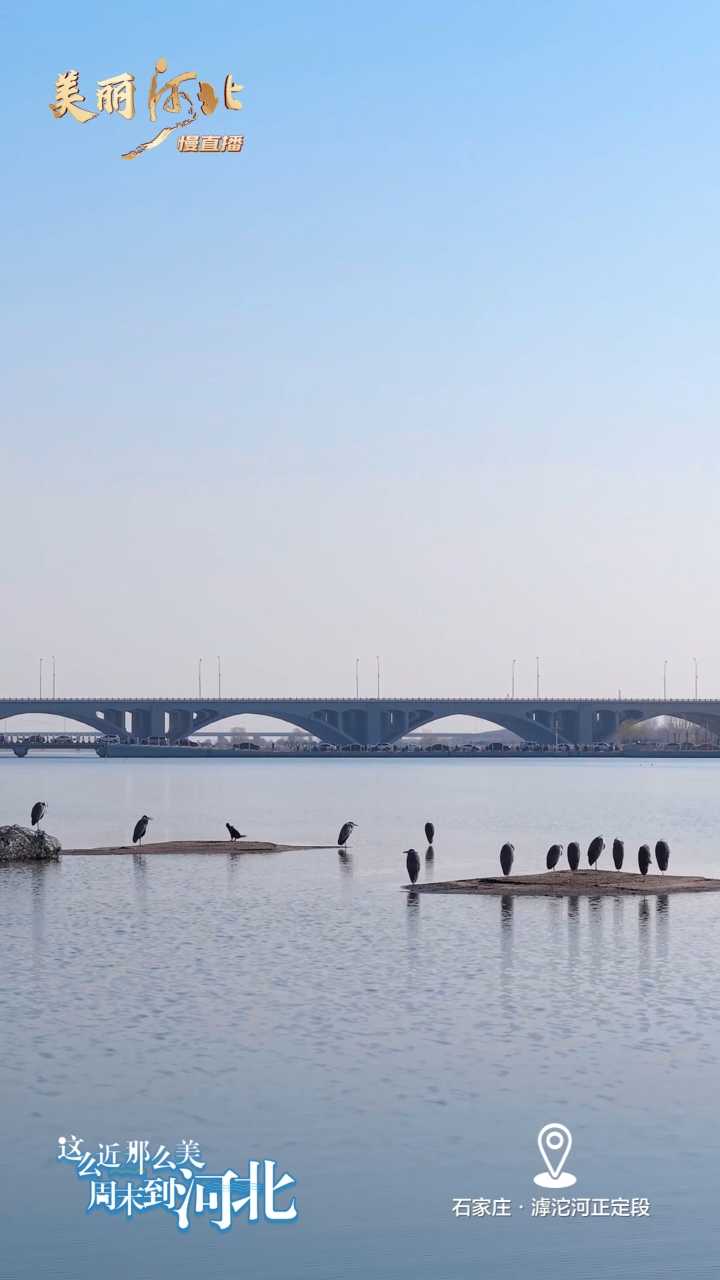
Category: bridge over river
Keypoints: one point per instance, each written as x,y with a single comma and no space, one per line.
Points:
368,721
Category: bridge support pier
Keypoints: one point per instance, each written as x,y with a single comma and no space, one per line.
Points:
353,722
181,723
607,725
393,724
148,723
115,722
585,720
375,727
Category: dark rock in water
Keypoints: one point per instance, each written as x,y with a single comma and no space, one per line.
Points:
20,844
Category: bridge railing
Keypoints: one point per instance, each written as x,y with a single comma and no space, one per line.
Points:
211,703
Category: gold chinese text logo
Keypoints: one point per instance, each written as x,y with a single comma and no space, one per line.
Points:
206,142
116,96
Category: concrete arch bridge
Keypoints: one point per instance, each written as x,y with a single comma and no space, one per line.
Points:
369,721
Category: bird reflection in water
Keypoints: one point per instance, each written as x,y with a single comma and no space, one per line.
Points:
139,862
662,923
37,893
555,908
345,862
618,908
507,973
598,957
573,916
507,907
644,959
412,914
596,903
233,862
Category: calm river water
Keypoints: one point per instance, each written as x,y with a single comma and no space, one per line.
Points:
391,1052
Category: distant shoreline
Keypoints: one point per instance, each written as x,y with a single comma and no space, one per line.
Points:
146,751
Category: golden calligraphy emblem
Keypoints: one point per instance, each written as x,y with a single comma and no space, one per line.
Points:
116,96
230,89
67,96
197,143
172,103
207,98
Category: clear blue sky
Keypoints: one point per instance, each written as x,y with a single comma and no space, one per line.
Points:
430,370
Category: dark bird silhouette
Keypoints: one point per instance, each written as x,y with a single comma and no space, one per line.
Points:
412,862
662,854
346,831
644,858
554,854
595,848
618,854
507,855
37,812
429,832
141,827
573,855
234,833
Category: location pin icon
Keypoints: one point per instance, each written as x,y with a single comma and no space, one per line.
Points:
555,1142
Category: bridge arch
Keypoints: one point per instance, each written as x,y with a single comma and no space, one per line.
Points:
709,723
524,728
76,719
316,724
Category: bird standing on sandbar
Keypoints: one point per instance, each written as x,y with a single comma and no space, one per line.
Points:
234,833
37,812
554,854
141,827
595,848
507,856
644,858
662,855
412,862
618,854
429,832
573,855
346,831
